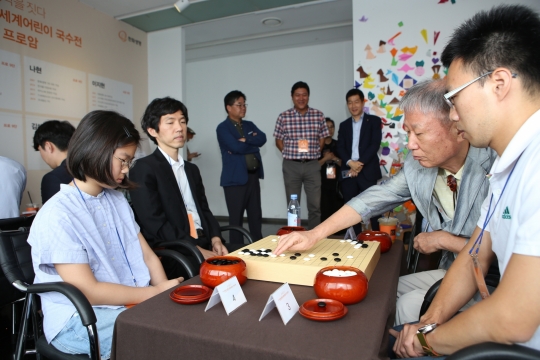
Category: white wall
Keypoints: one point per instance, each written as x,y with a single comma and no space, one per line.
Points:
266,78
166,67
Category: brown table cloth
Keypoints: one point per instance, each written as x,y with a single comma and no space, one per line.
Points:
162,329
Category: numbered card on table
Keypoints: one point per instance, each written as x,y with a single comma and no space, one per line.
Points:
229,293
284,300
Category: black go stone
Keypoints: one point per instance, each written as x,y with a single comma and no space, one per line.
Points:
293,258
259,254
266,255
337,259
321,304
335,254
252,254
364,245
324,259
297,254
360,241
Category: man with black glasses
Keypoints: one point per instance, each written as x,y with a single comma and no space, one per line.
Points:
493,88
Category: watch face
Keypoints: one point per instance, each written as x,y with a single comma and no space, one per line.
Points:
427,328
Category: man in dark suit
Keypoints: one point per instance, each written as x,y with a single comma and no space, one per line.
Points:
239,141
359,139
170,203
51,139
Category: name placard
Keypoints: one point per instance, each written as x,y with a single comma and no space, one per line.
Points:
283,298
229,293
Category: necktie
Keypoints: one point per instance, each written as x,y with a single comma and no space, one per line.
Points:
452,184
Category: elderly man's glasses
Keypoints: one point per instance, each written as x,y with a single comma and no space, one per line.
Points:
126,163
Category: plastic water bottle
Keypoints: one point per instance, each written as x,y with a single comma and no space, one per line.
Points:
293,211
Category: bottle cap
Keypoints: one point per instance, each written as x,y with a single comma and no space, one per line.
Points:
294,197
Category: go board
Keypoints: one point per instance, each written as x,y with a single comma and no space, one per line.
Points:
300,267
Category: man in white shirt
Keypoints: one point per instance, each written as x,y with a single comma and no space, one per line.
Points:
493,87
170,203
12,184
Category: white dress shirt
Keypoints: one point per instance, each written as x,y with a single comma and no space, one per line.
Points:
12,184
183,184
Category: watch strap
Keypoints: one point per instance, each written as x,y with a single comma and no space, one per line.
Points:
425,345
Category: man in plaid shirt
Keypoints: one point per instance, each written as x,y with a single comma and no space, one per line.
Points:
300,134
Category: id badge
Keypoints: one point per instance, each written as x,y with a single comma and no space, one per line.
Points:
303,145
330,171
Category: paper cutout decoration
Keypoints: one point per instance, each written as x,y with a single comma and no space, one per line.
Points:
423,32
393,51
382,78
400,24
371,96
410,50
377,111
388,135
382,48
436,69
442,1
388,91
435,60
434,53
398,112
395,79
391,40
428,53
368,83
436,36
364,18
382,105
362,73
407,82
394,101
419,71
404,57
381,96
369,53
402,93
357,84
445,71
406,68
385,151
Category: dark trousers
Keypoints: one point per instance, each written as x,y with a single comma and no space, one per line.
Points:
351,187
331,199
247,198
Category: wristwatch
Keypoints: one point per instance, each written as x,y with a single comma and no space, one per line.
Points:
421,334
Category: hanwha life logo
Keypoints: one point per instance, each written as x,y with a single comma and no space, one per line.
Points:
122,35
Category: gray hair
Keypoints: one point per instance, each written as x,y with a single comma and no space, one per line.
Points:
427,98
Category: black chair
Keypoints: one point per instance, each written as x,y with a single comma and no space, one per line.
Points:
16,262
191,249
492,279
489,350
16,223
495,351
8,294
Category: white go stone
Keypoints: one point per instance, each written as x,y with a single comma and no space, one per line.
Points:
274,240
349,256
341,240
273,255
307,259
348,240
282,255
311,255
354,242
357,246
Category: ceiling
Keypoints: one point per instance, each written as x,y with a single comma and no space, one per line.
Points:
212,29
153,15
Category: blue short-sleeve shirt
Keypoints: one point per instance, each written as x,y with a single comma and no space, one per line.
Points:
99,231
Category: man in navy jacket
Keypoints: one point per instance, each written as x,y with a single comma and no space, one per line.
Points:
359,139
239,141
